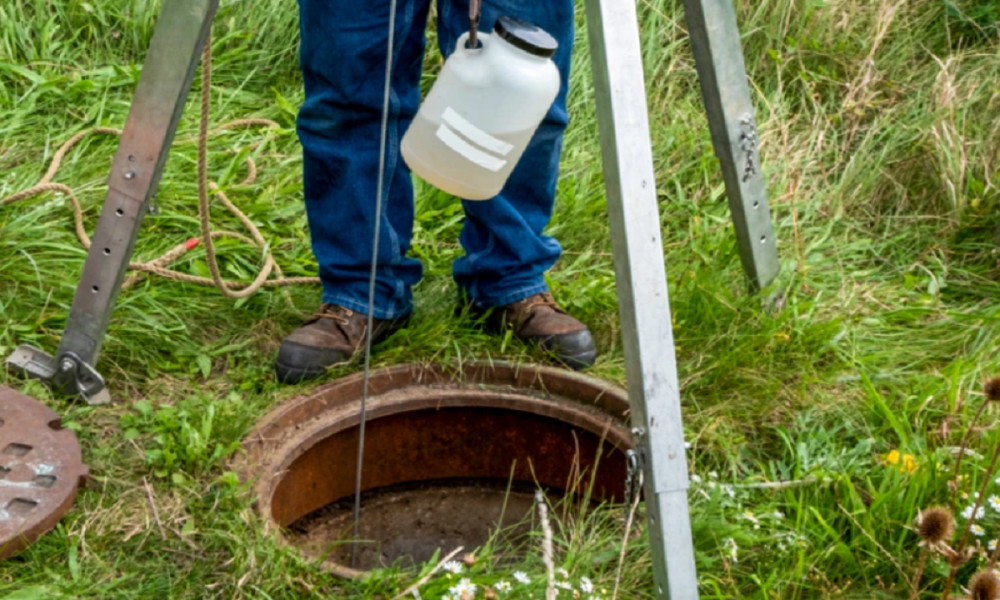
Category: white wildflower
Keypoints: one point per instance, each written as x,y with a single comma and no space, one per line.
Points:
749,516
586,585
521,577
977,531
733,548
502,586
967,512
465,586
994,502
453,566
563,573
713,474
696,478
992,545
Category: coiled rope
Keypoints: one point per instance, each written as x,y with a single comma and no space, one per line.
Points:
160,266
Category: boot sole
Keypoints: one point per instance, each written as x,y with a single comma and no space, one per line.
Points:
292,375
578,362
289,374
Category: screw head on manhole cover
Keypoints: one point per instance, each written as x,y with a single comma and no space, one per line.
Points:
40,470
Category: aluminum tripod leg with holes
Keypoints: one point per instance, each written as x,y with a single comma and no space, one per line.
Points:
715,39
644,306
647,331
156,109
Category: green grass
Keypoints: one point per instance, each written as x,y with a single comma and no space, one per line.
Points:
879,124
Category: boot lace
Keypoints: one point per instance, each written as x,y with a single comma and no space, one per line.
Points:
334,312
540,300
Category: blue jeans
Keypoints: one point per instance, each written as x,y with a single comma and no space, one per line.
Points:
343,63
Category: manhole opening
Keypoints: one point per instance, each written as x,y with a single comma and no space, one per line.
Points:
453,453
439,478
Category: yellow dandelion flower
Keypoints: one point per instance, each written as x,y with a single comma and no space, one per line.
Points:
909,465
892,458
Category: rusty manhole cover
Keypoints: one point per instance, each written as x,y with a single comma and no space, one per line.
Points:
451,454
40,470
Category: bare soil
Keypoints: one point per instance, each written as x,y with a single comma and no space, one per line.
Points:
409,523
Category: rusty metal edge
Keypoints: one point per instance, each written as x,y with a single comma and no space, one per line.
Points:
606,397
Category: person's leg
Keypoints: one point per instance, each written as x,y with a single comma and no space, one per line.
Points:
506,252
503,270
343,56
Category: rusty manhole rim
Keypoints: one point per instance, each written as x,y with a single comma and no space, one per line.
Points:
41,470
297,425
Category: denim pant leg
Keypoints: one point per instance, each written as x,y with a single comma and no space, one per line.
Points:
506,253
343,55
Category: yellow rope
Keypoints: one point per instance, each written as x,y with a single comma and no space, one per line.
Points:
159,266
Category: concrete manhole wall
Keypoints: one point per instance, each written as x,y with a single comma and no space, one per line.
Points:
442,447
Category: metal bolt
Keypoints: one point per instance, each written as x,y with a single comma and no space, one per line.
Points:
129,174
67,365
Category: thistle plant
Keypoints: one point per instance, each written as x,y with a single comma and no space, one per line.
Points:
936,525
961,553
984,585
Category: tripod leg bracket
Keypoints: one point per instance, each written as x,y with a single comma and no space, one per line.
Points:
67,372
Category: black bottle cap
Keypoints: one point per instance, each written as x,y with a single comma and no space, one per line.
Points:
530,38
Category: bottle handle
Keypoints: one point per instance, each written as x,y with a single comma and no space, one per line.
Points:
463,40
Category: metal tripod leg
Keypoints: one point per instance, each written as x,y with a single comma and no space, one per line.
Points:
644,306
159,99
715,38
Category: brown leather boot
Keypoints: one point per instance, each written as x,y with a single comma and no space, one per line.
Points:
538,319
332,336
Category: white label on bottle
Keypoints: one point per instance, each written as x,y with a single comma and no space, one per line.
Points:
477,156
475,134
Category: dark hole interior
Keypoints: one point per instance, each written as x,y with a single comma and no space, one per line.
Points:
439,478
45,481
406,524
16,449
21,506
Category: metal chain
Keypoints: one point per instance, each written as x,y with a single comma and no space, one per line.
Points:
634,465
371,276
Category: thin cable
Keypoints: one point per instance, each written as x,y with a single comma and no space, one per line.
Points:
371,276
